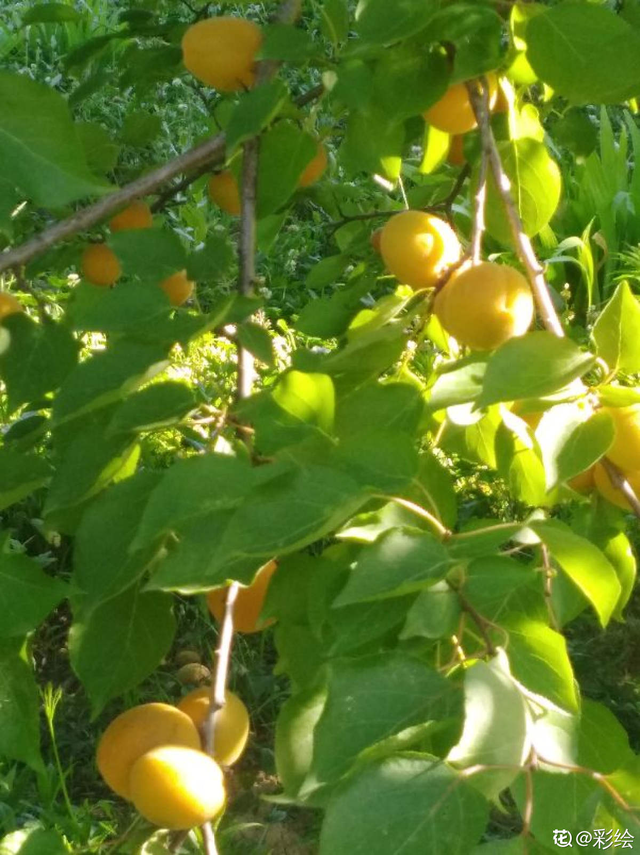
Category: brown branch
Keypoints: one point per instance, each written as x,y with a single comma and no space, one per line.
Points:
209,153
171,192
481,622
535,272
222,658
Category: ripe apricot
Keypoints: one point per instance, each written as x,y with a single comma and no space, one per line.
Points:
418,247
483,305
584,482
9,305
315,167
607,489
221,52
136,216
249,602
177,288
453,113
137,731
231,723
625,451
456,151
100,265
224,191
176,787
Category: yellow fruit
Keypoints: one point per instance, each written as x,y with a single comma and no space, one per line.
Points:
418,247
221,52
249,603
606,488
625,451
453,113
224,191
137,216
137,731
484,305
177,288
9,305
231,723
314,168
456,151
502,102
100,265
584,482
176,787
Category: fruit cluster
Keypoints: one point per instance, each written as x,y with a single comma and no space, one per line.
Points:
152,754
100,264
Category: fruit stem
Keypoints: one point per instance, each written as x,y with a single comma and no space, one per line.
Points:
535,272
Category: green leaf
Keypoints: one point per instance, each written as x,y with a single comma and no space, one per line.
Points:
379,460
285,151
100,151
19,708
287,43
433,489
532,366
569,444
131,308
294,737
380,23
149,254
559,802
460,384
397,406
373,143
400,562
89,463
39,150
140,129
38,359
434,614
586,566
335,20
408,805
27,594
213,261
157,406
118,644
603,744
310,398
539,660
105,562
496,585
361,623
585,52
106,377
51,13
256,339
409,80
255,111
481,539
356,716
616,333
20,475
32,841
536,186
496,725
329,317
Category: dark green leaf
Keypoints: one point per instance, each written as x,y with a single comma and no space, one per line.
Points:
140,129
149,254
51,13
118,644
128,308
255,111
39,150
100,151
20,475
616,333
38,359
281,41
27,594
157,406
285,151
380,23
256,340
19,707
408,805
213,261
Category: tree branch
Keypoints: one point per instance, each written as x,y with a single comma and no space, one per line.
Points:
620,483
522,243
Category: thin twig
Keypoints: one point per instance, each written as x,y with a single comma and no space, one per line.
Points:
479,224
480,621
209,153
548,586
171,192
209,839
222,658
535,271
620,483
